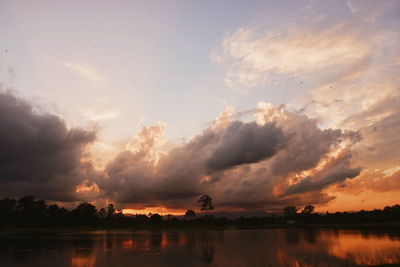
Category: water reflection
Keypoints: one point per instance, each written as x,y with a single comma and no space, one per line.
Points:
269,247
83,259
207,255
384,250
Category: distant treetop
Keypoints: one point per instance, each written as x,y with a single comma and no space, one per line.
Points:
206,203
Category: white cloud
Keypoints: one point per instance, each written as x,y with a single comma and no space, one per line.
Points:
254,58
100,113
101,109
149,142
83,70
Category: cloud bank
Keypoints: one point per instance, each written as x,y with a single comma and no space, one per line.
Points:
350,67
244,165
39,155
278,158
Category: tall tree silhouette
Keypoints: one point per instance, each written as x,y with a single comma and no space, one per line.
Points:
308,210
206,203
110,210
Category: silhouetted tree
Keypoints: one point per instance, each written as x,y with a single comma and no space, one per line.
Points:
85,213
309,209
206,203
110,210
7,205
86,209
190,214
102,213
54,212
31,212
28,212
155,218
54,209
8,211
26,204
141,218
290,211
40,205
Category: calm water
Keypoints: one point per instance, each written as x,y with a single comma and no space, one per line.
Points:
267,247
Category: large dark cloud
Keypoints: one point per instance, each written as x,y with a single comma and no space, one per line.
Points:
243,143
306,145
178,175
243,165
335,171
39,155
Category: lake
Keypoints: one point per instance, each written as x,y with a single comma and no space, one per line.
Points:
264,247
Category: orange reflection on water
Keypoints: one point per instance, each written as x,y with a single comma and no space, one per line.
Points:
83,260
182,240
366,251
164,240
128,244
286,260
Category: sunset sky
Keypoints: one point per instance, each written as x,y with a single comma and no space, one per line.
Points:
150,104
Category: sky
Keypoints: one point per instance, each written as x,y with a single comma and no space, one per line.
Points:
151,104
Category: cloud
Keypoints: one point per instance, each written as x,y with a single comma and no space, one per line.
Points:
350,66
240,164
81,69
254,58
39,155
386,13
376,180
100,110
380,132
149,141
336,170
243,143
279,158
100,113
387,182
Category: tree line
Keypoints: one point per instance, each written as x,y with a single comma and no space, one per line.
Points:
28,212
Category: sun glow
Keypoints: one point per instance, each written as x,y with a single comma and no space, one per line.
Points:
153,210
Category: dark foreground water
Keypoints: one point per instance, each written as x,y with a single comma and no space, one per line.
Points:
267,247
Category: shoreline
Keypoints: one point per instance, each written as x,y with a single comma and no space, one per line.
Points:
208,228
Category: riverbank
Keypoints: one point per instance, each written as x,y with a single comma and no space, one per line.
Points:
390,225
